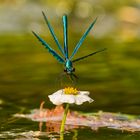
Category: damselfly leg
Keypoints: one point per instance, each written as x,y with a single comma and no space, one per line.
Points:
65,79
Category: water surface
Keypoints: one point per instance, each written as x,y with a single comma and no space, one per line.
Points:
28,74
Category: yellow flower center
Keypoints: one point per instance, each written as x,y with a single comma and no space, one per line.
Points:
70,90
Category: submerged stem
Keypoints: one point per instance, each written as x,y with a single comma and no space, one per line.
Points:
64,118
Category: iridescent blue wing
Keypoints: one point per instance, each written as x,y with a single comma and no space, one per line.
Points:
88,55
82,39
53,34
58,57
65,36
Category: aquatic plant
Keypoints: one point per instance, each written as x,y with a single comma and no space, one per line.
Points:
69,95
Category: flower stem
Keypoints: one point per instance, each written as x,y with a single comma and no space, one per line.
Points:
64,118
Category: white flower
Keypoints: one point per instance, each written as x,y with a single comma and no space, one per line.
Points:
71,96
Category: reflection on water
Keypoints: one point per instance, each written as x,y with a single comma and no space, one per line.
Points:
53,117
50,131
111,77
44,128
53,127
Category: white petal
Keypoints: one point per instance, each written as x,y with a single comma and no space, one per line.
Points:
87,98
78,101
59,92
55,98
84,92
83,98
68,99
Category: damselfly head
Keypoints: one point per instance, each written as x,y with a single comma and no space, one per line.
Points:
69,71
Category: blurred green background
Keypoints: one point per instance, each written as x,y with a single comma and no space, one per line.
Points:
28,73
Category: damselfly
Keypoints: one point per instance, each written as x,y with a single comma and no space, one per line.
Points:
66,60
